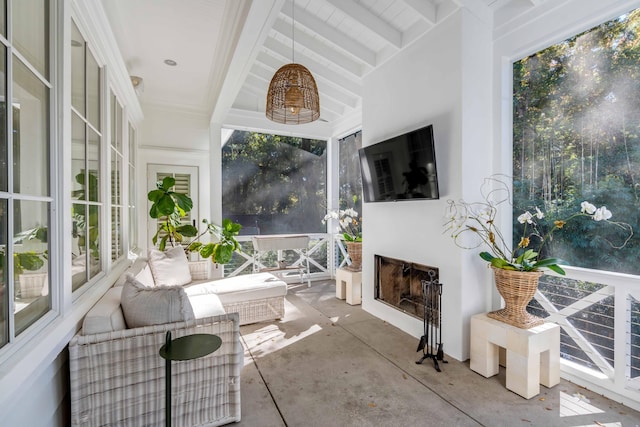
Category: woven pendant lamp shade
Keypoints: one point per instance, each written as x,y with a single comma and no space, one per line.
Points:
293,96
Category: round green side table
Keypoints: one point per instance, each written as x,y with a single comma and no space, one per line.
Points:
188,347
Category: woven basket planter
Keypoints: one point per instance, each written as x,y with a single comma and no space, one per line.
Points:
517,289
354,249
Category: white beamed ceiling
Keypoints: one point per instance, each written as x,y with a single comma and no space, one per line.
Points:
228,50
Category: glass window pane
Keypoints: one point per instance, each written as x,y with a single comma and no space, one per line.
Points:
117,248
94,240
132,145
78,158
114,119
77,70
31,268
4,294
4,167
116,177
133,229
274,184
30,132
93,91
118,129
79,246
30,24
3,18
93,162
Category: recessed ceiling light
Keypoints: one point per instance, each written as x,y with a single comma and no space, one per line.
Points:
170,62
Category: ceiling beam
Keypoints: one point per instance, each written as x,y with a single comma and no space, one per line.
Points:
425,8
479,9
369,20
332,35
321,49
261,16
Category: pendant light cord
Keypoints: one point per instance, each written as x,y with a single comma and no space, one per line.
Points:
293,31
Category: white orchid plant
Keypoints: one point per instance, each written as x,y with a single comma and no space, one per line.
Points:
474,224
348,223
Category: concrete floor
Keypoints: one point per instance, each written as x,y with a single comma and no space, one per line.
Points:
331,364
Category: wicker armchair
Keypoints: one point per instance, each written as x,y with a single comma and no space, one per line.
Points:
117,378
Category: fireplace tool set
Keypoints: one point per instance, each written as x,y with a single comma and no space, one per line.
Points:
432,294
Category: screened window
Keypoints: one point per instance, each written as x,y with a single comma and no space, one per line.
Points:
576,137
25,194
350,178
273,184
85,162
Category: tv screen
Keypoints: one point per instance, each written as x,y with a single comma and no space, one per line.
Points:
400,168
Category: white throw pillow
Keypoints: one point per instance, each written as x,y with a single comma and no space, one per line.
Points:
144,306
145,277
169,268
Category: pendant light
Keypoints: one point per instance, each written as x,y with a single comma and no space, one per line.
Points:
293,98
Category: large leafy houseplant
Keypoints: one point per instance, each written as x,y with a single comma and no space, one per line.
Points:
473,225
171,207
221,251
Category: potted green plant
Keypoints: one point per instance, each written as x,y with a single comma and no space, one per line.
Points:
516,267
173,206
27,263
349,226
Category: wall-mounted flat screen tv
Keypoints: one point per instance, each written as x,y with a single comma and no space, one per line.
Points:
400,168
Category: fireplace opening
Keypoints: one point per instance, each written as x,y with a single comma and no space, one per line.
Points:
398,283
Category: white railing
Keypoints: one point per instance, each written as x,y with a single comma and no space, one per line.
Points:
599,314
326,253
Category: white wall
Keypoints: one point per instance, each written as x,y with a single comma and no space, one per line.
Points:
441,79
170,127
178,138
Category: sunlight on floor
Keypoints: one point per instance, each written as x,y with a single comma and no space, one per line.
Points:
271,338
577,405
279,335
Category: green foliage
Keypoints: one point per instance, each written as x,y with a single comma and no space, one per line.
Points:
174,206
222,250
280,179
576,135
28,260
87,227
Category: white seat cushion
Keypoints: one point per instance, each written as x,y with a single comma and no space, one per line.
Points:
241,288
106,315
206,305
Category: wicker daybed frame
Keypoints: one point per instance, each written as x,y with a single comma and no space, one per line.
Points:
254,311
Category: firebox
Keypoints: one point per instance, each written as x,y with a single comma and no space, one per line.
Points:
398,283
